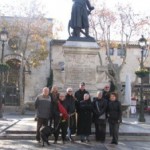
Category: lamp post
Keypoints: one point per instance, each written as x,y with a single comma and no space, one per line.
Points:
142,43
3,38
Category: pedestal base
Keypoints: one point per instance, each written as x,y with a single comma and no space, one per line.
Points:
80,64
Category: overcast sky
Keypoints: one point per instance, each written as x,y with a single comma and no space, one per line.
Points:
61,9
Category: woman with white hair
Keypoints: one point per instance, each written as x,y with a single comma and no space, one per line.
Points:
70,100
99,113
84,122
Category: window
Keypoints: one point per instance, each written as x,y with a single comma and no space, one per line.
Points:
110,52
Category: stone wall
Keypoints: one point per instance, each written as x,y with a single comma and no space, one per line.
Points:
80,63
36,81
131,65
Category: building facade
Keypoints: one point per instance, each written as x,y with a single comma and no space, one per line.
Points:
36,78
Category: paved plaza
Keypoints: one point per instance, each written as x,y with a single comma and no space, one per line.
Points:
17,132
33,145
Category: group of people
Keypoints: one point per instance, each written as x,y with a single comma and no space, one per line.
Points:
74,113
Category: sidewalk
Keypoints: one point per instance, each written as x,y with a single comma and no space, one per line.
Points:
134,119
15,126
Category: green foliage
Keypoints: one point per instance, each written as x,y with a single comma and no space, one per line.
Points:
4,67
142,73
33,30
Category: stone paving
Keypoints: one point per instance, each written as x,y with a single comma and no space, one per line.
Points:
20,130
33,145
16,126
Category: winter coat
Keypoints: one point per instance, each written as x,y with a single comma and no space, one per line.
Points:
43,107
106,95
54,99
99,109
79,95
114,111
84,117
56,112
70,100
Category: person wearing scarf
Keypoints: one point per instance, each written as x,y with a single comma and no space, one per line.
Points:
61,121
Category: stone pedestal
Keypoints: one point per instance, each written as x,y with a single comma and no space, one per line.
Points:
80,64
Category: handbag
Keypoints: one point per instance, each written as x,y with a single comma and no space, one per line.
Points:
103,115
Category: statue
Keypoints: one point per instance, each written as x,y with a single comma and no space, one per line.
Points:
79,18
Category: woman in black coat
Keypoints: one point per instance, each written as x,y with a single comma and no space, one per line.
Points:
61,118
84,111
54,94
70,100
114,117
99,113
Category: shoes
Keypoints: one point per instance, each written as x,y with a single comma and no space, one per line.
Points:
38,140
102,141
114,143
55,142
82,140
71,139
87,140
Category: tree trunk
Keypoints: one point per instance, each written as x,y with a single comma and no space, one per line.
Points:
22,107
119,87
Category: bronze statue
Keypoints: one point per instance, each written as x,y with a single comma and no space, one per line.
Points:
79,17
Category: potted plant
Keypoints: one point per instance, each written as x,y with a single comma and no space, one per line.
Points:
142,73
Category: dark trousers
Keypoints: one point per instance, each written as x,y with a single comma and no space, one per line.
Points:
40,122
114,130
63,126
100,130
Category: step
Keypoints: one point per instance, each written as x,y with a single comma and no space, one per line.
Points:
121,133
92,137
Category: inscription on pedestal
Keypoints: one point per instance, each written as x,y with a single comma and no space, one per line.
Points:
77,75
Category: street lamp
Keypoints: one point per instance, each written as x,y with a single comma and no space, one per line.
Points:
3,38
143,44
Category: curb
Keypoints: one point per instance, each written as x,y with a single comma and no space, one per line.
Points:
9,126
92,137
30,133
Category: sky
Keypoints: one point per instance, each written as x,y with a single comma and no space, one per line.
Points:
61,9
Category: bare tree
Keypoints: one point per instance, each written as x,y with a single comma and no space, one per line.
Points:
123,23
34,32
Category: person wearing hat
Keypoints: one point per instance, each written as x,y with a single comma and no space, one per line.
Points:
79,94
